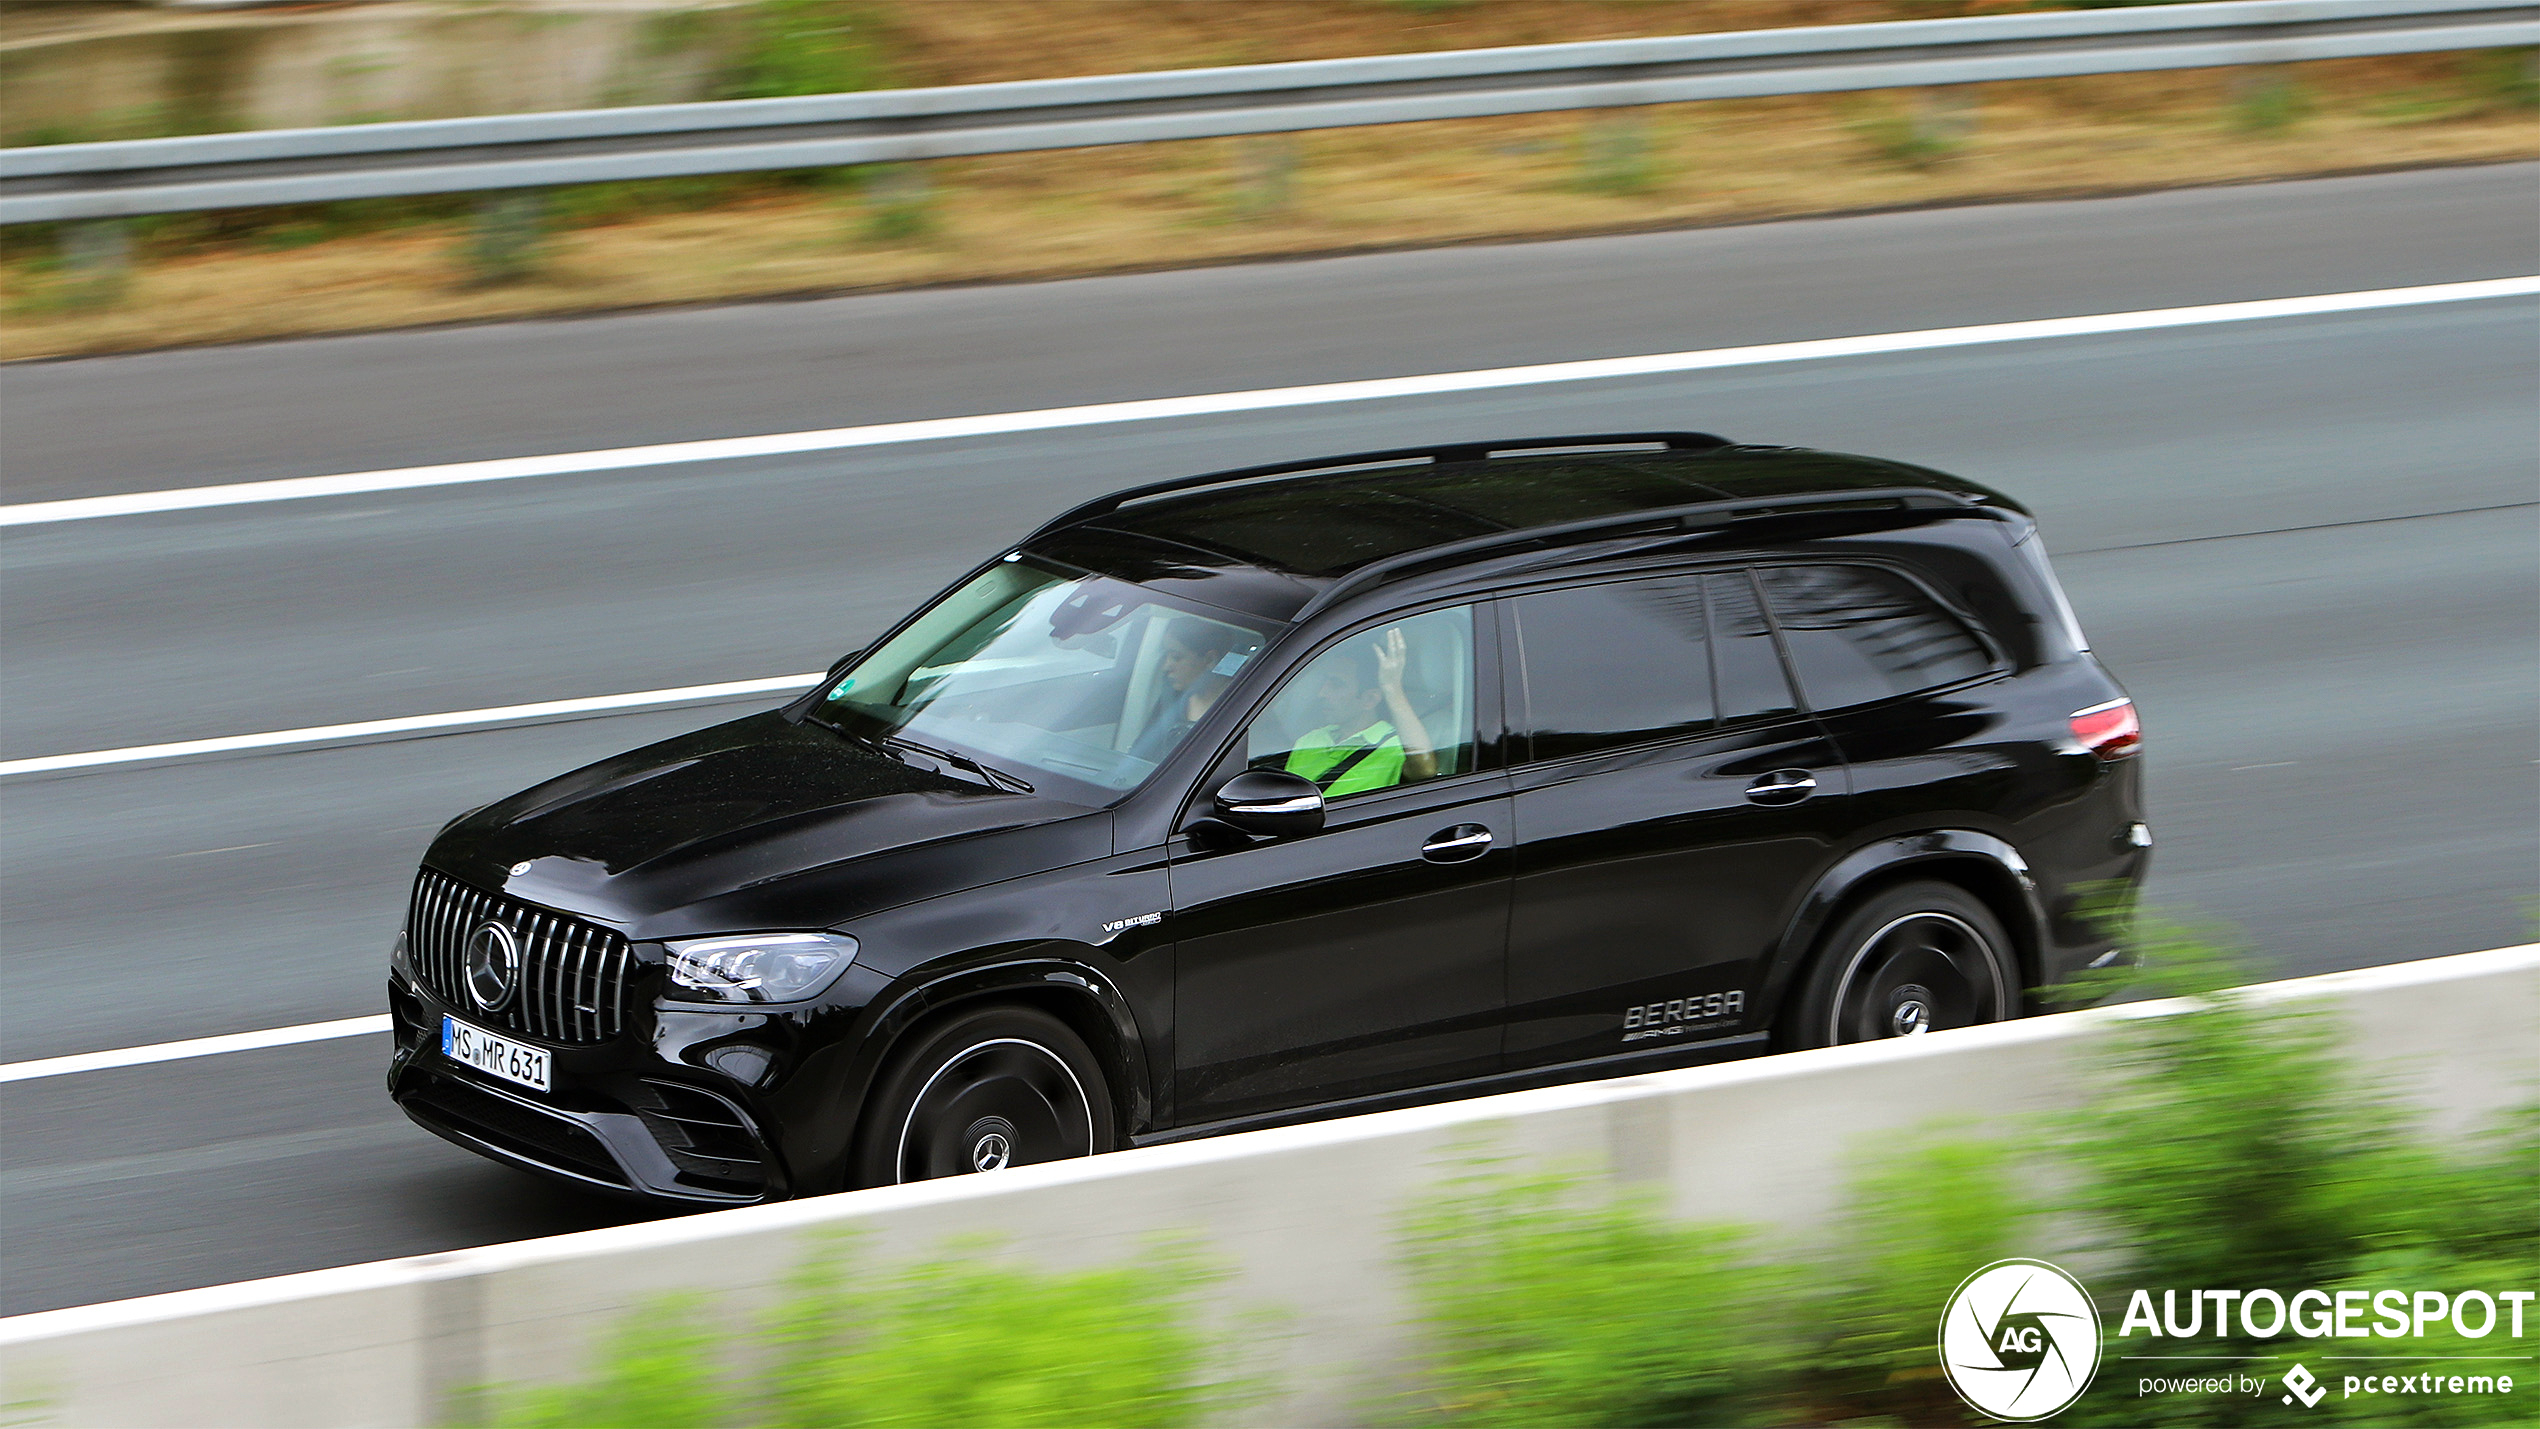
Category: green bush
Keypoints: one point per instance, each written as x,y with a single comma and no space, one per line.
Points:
1544,1305
657,1371
2267,103
967,1339
982,1342
2508,79
1915,1224
2236,1147
796,47
1616,155
1921,130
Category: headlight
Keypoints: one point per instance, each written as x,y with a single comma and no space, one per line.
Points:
759,967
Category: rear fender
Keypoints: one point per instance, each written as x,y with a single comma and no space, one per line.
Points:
1991,867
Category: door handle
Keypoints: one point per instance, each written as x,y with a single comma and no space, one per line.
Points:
1455,845
1782,786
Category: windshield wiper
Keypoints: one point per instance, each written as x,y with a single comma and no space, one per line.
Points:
996,778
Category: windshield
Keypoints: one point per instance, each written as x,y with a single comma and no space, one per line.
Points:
1037,670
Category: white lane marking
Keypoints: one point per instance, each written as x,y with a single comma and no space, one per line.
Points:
192,1047
86,508
408,724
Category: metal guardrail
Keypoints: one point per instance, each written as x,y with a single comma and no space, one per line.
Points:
514,151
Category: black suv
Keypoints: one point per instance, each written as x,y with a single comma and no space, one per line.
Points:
1295,791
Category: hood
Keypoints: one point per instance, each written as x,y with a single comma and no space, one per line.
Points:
715,812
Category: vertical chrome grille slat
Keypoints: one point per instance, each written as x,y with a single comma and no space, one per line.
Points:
569,981
554,1009
537,1006
558,1012
586,989
526,1000
537,975
450,902
573,973
613,991
427,929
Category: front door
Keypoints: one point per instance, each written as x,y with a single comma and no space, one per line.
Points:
1367,957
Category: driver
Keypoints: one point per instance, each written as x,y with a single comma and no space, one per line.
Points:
1371,738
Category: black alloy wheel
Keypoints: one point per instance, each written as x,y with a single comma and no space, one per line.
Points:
1005,1086
1916,958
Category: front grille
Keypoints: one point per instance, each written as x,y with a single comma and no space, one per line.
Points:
573,974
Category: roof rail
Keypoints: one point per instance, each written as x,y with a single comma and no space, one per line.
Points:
1695,517
1458,451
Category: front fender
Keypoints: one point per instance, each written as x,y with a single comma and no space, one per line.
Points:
1062,977
2004,881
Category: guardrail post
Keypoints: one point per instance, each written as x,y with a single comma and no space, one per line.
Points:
1265,175
508,238
96,262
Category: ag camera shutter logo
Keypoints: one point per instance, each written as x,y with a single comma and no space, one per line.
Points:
2019,1340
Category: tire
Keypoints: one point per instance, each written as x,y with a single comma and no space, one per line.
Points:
1003,1086
1919,957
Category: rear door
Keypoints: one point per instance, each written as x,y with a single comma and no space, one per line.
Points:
1670,808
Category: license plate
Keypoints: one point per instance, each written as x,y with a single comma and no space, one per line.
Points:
501,1056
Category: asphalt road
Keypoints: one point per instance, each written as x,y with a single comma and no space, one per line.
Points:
2311,548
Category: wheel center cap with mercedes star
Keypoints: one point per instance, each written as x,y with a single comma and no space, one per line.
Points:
1294,792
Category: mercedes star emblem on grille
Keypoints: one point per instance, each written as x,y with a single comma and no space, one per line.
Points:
493,964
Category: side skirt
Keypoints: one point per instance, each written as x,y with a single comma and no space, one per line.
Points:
1700,1054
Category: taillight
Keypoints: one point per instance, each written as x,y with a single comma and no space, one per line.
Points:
2110,731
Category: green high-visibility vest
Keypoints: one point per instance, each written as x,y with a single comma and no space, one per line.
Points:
1373,757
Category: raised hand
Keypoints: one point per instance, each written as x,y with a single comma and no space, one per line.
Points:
1392,653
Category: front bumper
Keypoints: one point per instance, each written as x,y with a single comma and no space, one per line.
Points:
617,1119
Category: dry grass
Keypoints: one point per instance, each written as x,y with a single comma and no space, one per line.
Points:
1088,211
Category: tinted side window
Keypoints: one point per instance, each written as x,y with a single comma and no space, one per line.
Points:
1609,665
1385,707
1746,667
1857,634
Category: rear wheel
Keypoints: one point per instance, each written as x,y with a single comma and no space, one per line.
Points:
1004,1086
1919,957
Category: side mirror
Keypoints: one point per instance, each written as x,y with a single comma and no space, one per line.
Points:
839,666
1267,801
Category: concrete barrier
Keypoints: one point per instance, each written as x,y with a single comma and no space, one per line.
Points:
1305,1217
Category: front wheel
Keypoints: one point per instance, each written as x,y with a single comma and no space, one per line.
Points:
1916,958
1005,1086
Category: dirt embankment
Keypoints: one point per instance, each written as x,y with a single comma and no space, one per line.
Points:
213,279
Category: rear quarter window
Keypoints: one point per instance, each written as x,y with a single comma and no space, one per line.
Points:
1859,634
